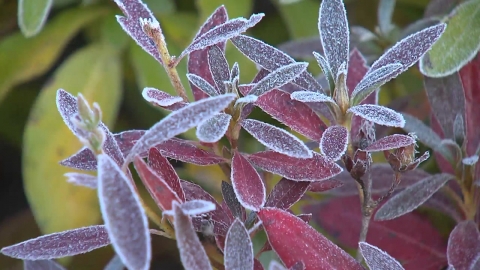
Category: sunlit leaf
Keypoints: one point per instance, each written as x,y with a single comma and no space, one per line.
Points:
390,142
334,142
162,167
247,184
238,248
219,67
42,265
378,259
286,193
213,129
32,15
463,245
379,115
278,77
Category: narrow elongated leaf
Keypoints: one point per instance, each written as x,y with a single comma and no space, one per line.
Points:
334,142
187,151
357,68
42,265
411,197
162,99
289,235
390,142
334,33
317,168
325,67
32,15
81,179
180,121
307,96
325,185
218,67
238,248
409,50
230,199
83,160
202,84
59,245
292,113
379,115
247,184
162,167
194,208
463,245
384,16
286,193
276,139
373,81
213,129
278,78
378,259
123,214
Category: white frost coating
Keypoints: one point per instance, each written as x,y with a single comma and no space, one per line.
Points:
374,80
334,33
123,214
67,107
379,115
463,246
412,197
391,142
222,33
42,265
274,265
149,95
378,259
255,227
307,96
202,84
238,248
247,99
213,129
197,207
235,72
278,78
327,71
218,65
180,121
82,179
470,160
334,142
277,139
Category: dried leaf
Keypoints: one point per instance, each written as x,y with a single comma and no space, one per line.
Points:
379,115
42,265
378,259
334,142
162,99
187,151
247,184
230,198
394,141
286,193
463,245
219,67
162,167
278,78
238,248
81,179
213,129
202,84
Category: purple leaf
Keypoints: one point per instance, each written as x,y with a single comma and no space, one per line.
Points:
202,84
135,10
81,179
325,185
278,78
194,208
334,142
162,167
377,258
379,115
325,67
334,34
394,141
292,113
357,68
286,193
180,121
67,106
317,168
247,184
238,248
373,80
412,197
221,33
271,58
186,151
162,99
42,265
218,67
409,50
192,254
110,146
230,198
463,245
235,72
276,139
127,139
123,214
307,96
83,160
213,129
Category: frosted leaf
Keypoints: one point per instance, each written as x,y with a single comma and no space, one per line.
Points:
379,115
238,248
307,96
230,199
235,72
221,33
81,179
378,259
247,184
162,167
115,264
135,10
271,58
42,265
325,185
334,34
192,254
278,78
83,160
123,214
326,70
463,245
411,197
127,139
394,141
193,208
372,81
317,168
180,121
334,142
219,67
274,265
162,99
276,139
187,151
286,193
470,160
202,84
357,68
110,146
67,106
409,50
213,129
295,114
247,99
59,245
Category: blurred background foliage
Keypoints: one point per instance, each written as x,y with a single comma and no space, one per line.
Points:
78,45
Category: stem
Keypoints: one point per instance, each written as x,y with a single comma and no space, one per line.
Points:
367,210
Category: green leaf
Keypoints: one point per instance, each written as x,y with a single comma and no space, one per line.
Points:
23,59
301,18
32,15
459,43
94,71
235,8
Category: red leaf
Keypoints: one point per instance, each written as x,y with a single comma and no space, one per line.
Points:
324,185
463,245
357,68
294,240
238,247
257,265
286,193
127,139
162,99
219,67
42,265
334,142
411,238
394,141
296,115
186,151
377,258
247,184
166,172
